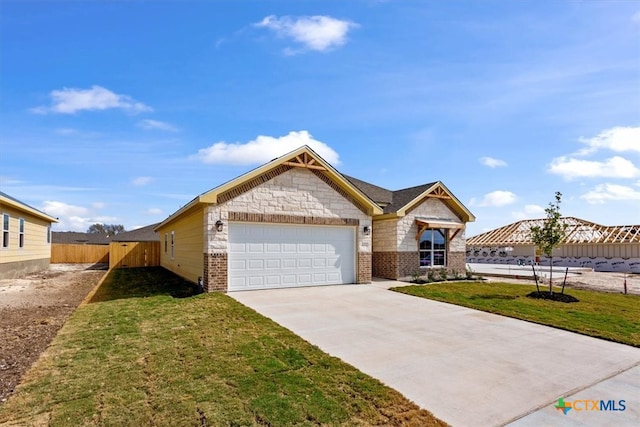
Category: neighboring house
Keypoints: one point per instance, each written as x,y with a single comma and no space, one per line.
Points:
25,245
586,244
79,238
142,234
296,221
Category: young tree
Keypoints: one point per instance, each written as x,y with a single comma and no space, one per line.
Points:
551,234
109,229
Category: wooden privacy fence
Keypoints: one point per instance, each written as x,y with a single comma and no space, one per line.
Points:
79,253
134,254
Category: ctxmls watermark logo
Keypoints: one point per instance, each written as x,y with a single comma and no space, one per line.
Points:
590,405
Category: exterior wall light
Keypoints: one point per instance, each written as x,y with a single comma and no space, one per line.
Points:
219,225
366,230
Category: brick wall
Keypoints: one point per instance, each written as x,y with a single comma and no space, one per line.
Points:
363,273
408,263
457,261
215,272
385,264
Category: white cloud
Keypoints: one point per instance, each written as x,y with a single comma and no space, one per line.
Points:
636,17
319,33
491,162
154,211
615,167
157,125
618,139
72,100
606,192
495,199
263,149
141,181
529,212
75,218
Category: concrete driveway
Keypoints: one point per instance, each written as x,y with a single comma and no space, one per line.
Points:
467,367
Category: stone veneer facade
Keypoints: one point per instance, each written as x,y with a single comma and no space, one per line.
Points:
287,196
395,248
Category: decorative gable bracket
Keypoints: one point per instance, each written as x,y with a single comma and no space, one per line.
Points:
304,160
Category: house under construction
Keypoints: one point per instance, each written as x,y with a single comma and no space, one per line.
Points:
586,244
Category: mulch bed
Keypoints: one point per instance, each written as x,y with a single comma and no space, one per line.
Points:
559,297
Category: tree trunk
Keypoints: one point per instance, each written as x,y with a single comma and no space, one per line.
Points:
551,275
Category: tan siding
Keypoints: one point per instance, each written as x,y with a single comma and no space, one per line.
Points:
35,237
188,245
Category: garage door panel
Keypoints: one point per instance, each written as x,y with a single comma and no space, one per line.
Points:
274,264
255,248
255,264
288,263
275,255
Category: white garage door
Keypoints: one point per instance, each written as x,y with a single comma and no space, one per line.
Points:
264,256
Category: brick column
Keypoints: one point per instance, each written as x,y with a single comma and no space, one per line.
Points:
215,272
363,274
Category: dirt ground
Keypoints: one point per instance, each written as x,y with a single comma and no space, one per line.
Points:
32,310
594,281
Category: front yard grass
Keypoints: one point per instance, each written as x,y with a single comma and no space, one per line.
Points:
142,353
614,317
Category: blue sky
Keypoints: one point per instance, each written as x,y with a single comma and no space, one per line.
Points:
120,112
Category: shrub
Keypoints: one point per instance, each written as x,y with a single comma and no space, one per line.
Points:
431,276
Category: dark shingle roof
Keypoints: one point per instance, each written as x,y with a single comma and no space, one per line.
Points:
380,195
404,196
74,237
142,234
390,201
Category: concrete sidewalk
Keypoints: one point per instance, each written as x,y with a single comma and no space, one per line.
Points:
468,367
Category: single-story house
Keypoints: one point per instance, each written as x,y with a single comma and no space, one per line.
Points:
297,221
142,234
586,244
79,238
25,246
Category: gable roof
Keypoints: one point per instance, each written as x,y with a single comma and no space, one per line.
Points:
579,231
399,202
17,204
142,234
303,157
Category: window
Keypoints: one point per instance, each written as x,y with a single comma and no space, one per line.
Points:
433,248
49,234
21,233
166,242
172,244
5,230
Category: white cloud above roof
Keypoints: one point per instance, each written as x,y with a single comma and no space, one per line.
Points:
492,162
149,124
614,167
264,149
141,181
607,192
529,212
618,139
319,33
495,199
72,100
76,218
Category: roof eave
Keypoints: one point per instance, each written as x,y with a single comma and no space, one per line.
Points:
29,209
460,209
